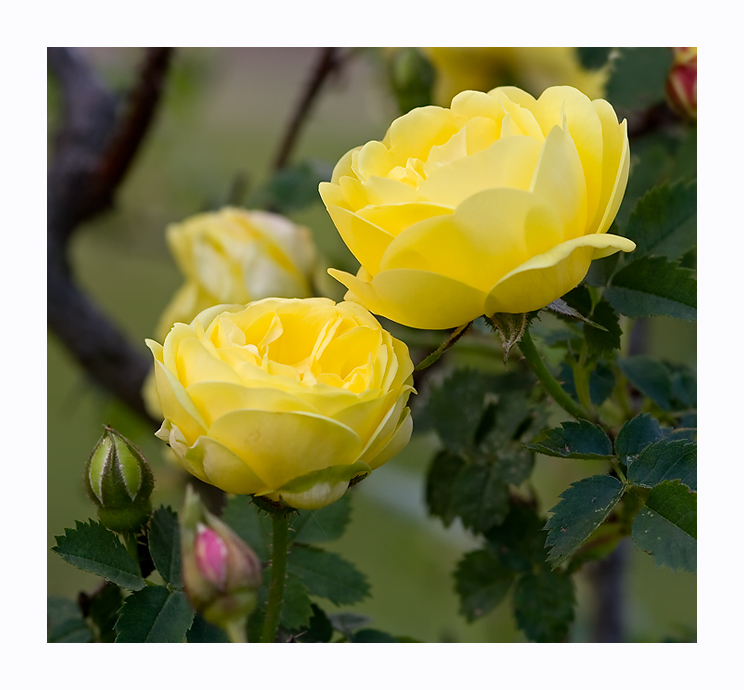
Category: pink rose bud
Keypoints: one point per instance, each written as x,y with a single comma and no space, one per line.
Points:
221,573
211,556
681,86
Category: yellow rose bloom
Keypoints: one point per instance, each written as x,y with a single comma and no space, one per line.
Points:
533,69
234,256
289,399
496,204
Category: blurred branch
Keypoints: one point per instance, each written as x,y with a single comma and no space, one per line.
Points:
94,149
329,61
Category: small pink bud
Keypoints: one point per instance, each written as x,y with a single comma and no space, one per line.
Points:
211,556
681,85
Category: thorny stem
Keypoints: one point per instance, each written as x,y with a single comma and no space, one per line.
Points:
280,521
446,345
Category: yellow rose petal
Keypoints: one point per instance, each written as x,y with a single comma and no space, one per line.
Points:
365,240
279,446
547,277
223,468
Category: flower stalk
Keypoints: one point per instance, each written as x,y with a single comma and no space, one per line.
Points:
554,389
280,521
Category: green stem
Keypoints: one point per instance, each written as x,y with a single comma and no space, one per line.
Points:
278,573
581,380
446,345
547,379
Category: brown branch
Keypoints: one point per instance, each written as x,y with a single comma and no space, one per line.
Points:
93,151
329,61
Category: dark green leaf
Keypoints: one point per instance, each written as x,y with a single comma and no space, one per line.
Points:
327,575
165,545
456,407
482,583
593,58
635,435
653,286
581,439
320,628
154,614
544,605
650,377
638,77
480,496
297,608
203,631
91,547
444,471
325,524
584,506
371,635
684,387
519,542
251,524
666,526
663,221
65,622
665,461
603,341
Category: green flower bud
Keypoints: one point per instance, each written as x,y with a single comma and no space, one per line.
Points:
221,573
119,481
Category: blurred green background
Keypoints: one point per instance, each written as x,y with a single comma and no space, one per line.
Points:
221,119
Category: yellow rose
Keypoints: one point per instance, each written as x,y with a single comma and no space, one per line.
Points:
534,69
234,256
289,399
497,204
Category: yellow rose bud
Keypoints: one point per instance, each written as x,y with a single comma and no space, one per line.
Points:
234,256
290,399
497,204
535,69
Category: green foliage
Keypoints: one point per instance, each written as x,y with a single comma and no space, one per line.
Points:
292,188
65,622
319,629
325,524
165,545
638,76
666,527
665,460
603,341
544,605
581,439
91,547
412,78
251,524
670,387
635,435
519,542
102,610
654,286
154,614
327,575
482,583
202,631
584,506
593,58
663,221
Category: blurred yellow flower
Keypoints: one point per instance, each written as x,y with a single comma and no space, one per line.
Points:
290,399
497,204
532,69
